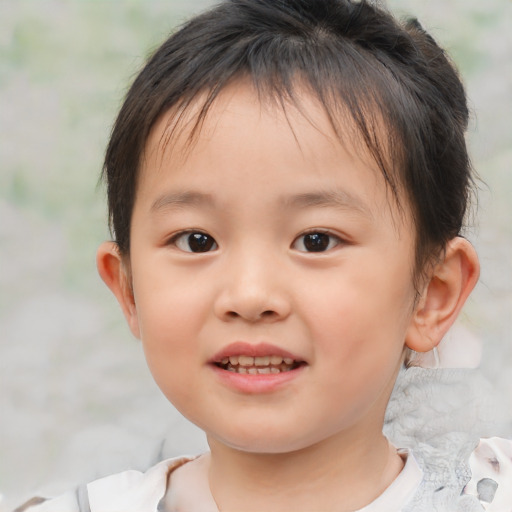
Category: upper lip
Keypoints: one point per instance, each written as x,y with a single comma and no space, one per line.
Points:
239,348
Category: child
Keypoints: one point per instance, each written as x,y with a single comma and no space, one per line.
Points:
287,183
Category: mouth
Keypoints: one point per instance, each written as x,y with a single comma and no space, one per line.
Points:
258,365
253,369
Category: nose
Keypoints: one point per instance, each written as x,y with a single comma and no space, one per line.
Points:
252,289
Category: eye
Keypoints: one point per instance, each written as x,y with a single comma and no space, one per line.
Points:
316,241
194,241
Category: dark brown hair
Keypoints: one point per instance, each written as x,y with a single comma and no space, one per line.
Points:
355,57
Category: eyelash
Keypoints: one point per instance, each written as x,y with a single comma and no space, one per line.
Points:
210,244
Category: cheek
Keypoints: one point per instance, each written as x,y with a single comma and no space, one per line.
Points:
168,303
359,341
360,315
169,339
170,314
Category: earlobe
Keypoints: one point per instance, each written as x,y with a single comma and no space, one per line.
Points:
452,280
115,274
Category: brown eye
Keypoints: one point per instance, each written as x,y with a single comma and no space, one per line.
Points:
195,242
316,242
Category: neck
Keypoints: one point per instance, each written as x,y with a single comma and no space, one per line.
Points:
338,474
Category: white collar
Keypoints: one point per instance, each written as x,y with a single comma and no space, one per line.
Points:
133,491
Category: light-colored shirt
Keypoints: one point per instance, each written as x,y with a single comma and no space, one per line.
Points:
181,485
177,485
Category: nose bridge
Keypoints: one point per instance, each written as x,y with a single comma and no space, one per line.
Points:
251,286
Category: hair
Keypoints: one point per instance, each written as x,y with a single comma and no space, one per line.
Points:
390,79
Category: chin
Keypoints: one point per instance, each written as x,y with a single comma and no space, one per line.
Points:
259,442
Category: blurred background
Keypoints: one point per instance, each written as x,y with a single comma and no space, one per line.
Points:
76,400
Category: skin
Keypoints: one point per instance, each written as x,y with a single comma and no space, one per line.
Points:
346,312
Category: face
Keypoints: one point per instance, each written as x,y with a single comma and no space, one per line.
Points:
271,276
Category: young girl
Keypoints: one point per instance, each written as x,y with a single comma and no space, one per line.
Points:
287,183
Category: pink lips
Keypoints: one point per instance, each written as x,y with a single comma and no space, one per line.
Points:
255,384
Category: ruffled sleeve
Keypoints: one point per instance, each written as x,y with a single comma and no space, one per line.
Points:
491,474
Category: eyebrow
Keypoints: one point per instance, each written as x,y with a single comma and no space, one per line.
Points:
324,199
327,199
181,199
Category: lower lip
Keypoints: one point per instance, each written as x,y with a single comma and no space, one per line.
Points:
257,384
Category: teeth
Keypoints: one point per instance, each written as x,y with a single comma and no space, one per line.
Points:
255,370
261,365
245,360
256,361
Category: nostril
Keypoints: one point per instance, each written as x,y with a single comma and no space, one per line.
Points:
259,316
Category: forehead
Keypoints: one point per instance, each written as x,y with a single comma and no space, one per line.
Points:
243,124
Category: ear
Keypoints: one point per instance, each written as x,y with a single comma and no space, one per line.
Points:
452,280
114,271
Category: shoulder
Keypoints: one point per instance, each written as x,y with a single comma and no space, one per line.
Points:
129,491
